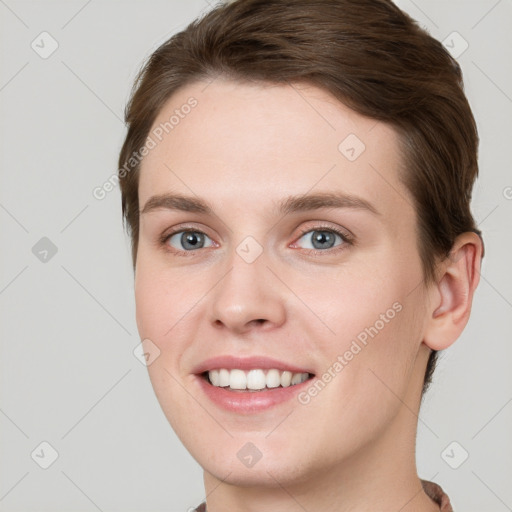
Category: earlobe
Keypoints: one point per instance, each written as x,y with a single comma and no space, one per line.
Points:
452,295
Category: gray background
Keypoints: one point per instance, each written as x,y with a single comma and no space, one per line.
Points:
68,373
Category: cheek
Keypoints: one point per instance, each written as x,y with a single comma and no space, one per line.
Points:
161,299
376,322
374,296
368,367
161,315
166,313
356,304
148,304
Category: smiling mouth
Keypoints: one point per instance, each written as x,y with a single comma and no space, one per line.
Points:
254,380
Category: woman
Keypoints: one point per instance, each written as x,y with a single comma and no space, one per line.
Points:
296,180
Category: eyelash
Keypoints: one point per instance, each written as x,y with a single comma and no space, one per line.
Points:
345,237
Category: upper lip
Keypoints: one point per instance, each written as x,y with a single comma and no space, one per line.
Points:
247,363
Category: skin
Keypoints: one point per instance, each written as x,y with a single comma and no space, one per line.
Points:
243,149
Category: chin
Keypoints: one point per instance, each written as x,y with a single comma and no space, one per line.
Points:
269,474
251,463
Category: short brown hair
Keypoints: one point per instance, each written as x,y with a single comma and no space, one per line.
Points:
368,54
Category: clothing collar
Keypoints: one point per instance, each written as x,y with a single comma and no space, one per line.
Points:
432,490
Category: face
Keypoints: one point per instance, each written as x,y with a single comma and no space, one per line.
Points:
292,255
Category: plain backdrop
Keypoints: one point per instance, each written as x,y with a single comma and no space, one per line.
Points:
69,377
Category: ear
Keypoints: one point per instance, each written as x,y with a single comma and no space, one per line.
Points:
452,293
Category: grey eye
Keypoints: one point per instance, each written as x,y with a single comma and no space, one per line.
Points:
189,240
320,239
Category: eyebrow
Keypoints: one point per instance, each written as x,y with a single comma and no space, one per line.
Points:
292,204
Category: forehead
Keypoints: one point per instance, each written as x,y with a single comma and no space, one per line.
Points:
256,143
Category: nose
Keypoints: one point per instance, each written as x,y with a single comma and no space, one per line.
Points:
249,296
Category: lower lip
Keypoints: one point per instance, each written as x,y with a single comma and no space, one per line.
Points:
246,402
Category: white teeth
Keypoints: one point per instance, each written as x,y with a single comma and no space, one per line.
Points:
296,378
237,379
223,378
255,379
286,379
273,379
214,377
